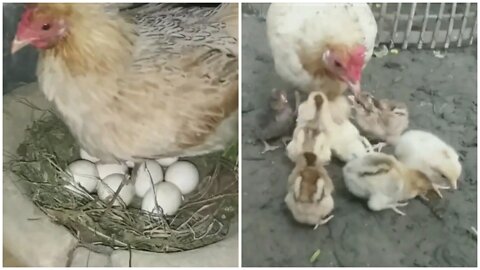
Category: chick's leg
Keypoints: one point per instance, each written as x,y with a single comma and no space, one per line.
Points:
323,221
379,146
286,140
297,101
381,202
394,208
268,147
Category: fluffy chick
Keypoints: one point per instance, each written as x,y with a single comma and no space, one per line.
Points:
384,181
309,196
344,139
276,121
381,120
426,152
308,113
307,139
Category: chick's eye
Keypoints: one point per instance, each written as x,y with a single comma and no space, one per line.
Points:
46,27
337,64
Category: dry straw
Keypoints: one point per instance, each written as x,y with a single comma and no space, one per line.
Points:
203,219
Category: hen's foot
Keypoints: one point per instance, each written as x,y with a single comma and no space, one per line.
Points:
323,221
268,147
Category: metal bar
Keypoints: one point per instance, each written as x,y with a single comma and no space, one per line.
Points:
395,24
420,17
381,19
450,26
464,23
437,25
415,35
474,30
409,25
424,26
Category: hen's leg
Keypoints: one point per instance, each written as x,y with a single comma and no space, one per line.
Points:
323,221
268,147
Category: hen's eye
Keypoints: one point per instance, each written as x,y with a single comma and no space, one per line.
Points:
337,64
46,27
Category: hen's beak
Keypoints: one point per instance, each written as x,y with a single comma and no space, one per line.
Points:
18,44
355,87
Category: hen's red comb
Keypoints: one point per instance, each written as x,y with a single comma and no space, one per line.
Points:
26,17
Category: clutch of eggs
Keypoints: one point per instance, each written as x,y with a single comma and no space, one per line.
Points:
180,178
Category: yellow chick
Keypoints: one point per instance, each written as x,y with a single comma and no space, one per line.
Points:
309,196
426,152
307,139
344,139
384,181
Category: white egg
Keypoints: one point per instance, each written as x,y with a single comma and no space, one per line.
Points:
84,173
108,186
148,172
169,198
85,155
107,169
165,162
184,175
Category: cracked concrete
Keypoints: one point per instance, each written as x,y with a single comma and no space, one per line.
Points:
441,97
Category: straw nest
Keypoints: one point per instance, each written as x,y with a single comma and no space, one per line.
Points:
203,218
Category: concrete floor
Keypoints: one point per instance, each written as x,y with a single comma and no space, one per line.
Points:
441,96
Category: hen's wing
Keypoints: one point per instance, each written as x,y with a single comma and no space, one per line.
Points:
190,53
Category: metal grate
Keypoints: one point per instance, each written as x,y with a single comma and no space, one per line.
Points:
422,25
426,25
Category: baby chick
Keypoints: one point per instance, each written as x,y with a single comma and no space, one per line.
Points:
426,152
277,121
384,181
344,139
308,112
309,192
382,120
307,139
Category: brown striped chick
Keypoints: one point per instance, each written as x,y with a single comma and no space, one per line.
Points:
385,182
309,196
307,139
380,120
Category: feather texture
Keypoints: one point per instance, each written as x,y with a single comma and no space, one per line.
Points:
157,81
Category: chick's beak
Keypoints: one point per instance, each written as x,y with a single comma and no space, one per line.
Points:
355,87
18,44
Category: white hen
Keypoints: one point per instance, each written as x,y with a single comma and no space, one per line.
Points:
322,46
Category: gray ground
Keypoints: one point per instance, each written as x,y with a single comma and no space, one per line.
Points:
432,234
